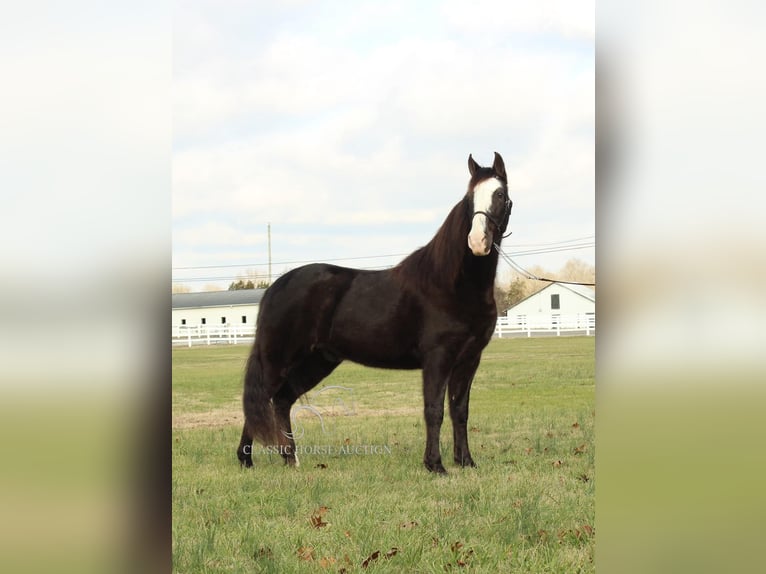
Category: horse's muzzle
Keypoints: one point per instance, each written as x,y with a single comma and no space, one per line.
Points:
480,246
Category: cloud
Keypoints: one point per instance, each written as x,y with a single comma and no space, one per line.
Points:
365,117
217,234
573,20
438,82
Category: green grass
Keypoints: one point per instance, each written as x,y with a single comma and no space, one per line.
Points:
528,507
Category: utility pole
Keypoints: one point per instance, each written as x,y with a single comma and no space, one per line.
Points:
268,228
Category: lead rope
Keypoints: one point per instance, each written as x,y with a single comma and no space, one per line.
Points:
519,269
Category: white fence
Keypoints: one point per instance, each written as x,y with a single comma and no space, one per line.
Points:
513,326
545,324
212,334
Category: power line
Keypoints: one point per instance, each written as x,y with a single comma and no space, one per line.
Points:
551,250
286,262
555,242
263,276
543,248
524,273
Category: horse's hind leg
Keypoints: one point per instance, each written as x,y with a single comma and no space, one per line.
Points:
283,402
245,449
301,379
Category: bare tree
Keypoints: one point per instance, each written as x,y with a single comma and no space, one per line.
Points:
577,270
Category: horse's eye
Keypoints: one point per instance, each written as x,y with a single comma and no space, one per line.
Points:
499,193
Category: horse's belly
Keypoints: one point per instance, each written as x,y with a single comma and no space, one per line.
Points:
380,332
374,345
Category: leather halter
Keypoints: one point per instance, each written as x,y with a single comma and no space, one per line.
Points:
506,216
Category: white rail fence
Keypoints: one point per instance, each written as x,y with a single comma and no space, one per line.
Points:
513,326
546,324
212,334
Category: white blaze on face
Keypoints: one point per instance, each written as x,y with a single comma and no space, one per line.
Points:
479,238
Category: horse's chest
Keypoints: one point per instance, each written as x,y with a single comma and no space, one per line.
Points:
460,323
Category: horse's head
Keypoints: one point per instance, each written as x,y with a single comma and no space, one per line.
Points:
491,205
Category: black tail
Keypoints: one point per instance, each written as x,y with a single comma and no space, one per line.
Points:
257,404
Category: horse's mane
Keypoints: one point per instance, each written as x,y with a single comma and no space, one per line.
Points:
440,262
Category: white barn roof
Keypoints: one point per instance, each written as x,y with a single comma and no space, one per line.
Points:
584,290
217,298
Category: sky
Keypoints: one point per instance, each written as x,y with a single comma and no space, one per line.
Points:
346,127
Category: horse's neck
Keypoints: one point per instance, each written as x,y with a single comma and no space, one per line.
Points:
480,271
467,270
446,264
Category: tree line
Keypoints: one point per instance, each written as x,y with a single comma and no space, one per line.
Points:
242,284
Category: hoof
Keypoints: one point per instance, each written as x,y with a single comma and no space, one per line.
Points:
292,461
465,462
437,467
245,460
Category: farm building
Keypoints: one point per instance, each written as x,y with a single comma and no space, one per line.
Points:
238,307
557,307
557,299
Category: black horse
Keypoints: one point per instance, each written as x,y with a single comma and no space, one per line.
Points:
434,311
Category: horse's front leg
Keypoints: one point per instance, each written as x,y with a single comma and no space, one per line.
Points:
459,392
434,385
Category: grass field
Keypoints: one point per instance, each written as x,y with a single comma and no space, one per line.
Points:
362,500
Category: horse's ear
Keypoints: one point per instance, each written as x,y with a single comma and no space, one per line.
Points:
499,167
472,165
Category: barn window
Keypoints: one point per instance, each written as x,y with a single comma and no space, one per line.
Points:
183,321
244,319
555,304
223,320
204,321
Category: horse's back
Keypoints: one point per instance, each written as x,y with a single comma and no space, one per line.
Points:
303,293
347,313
